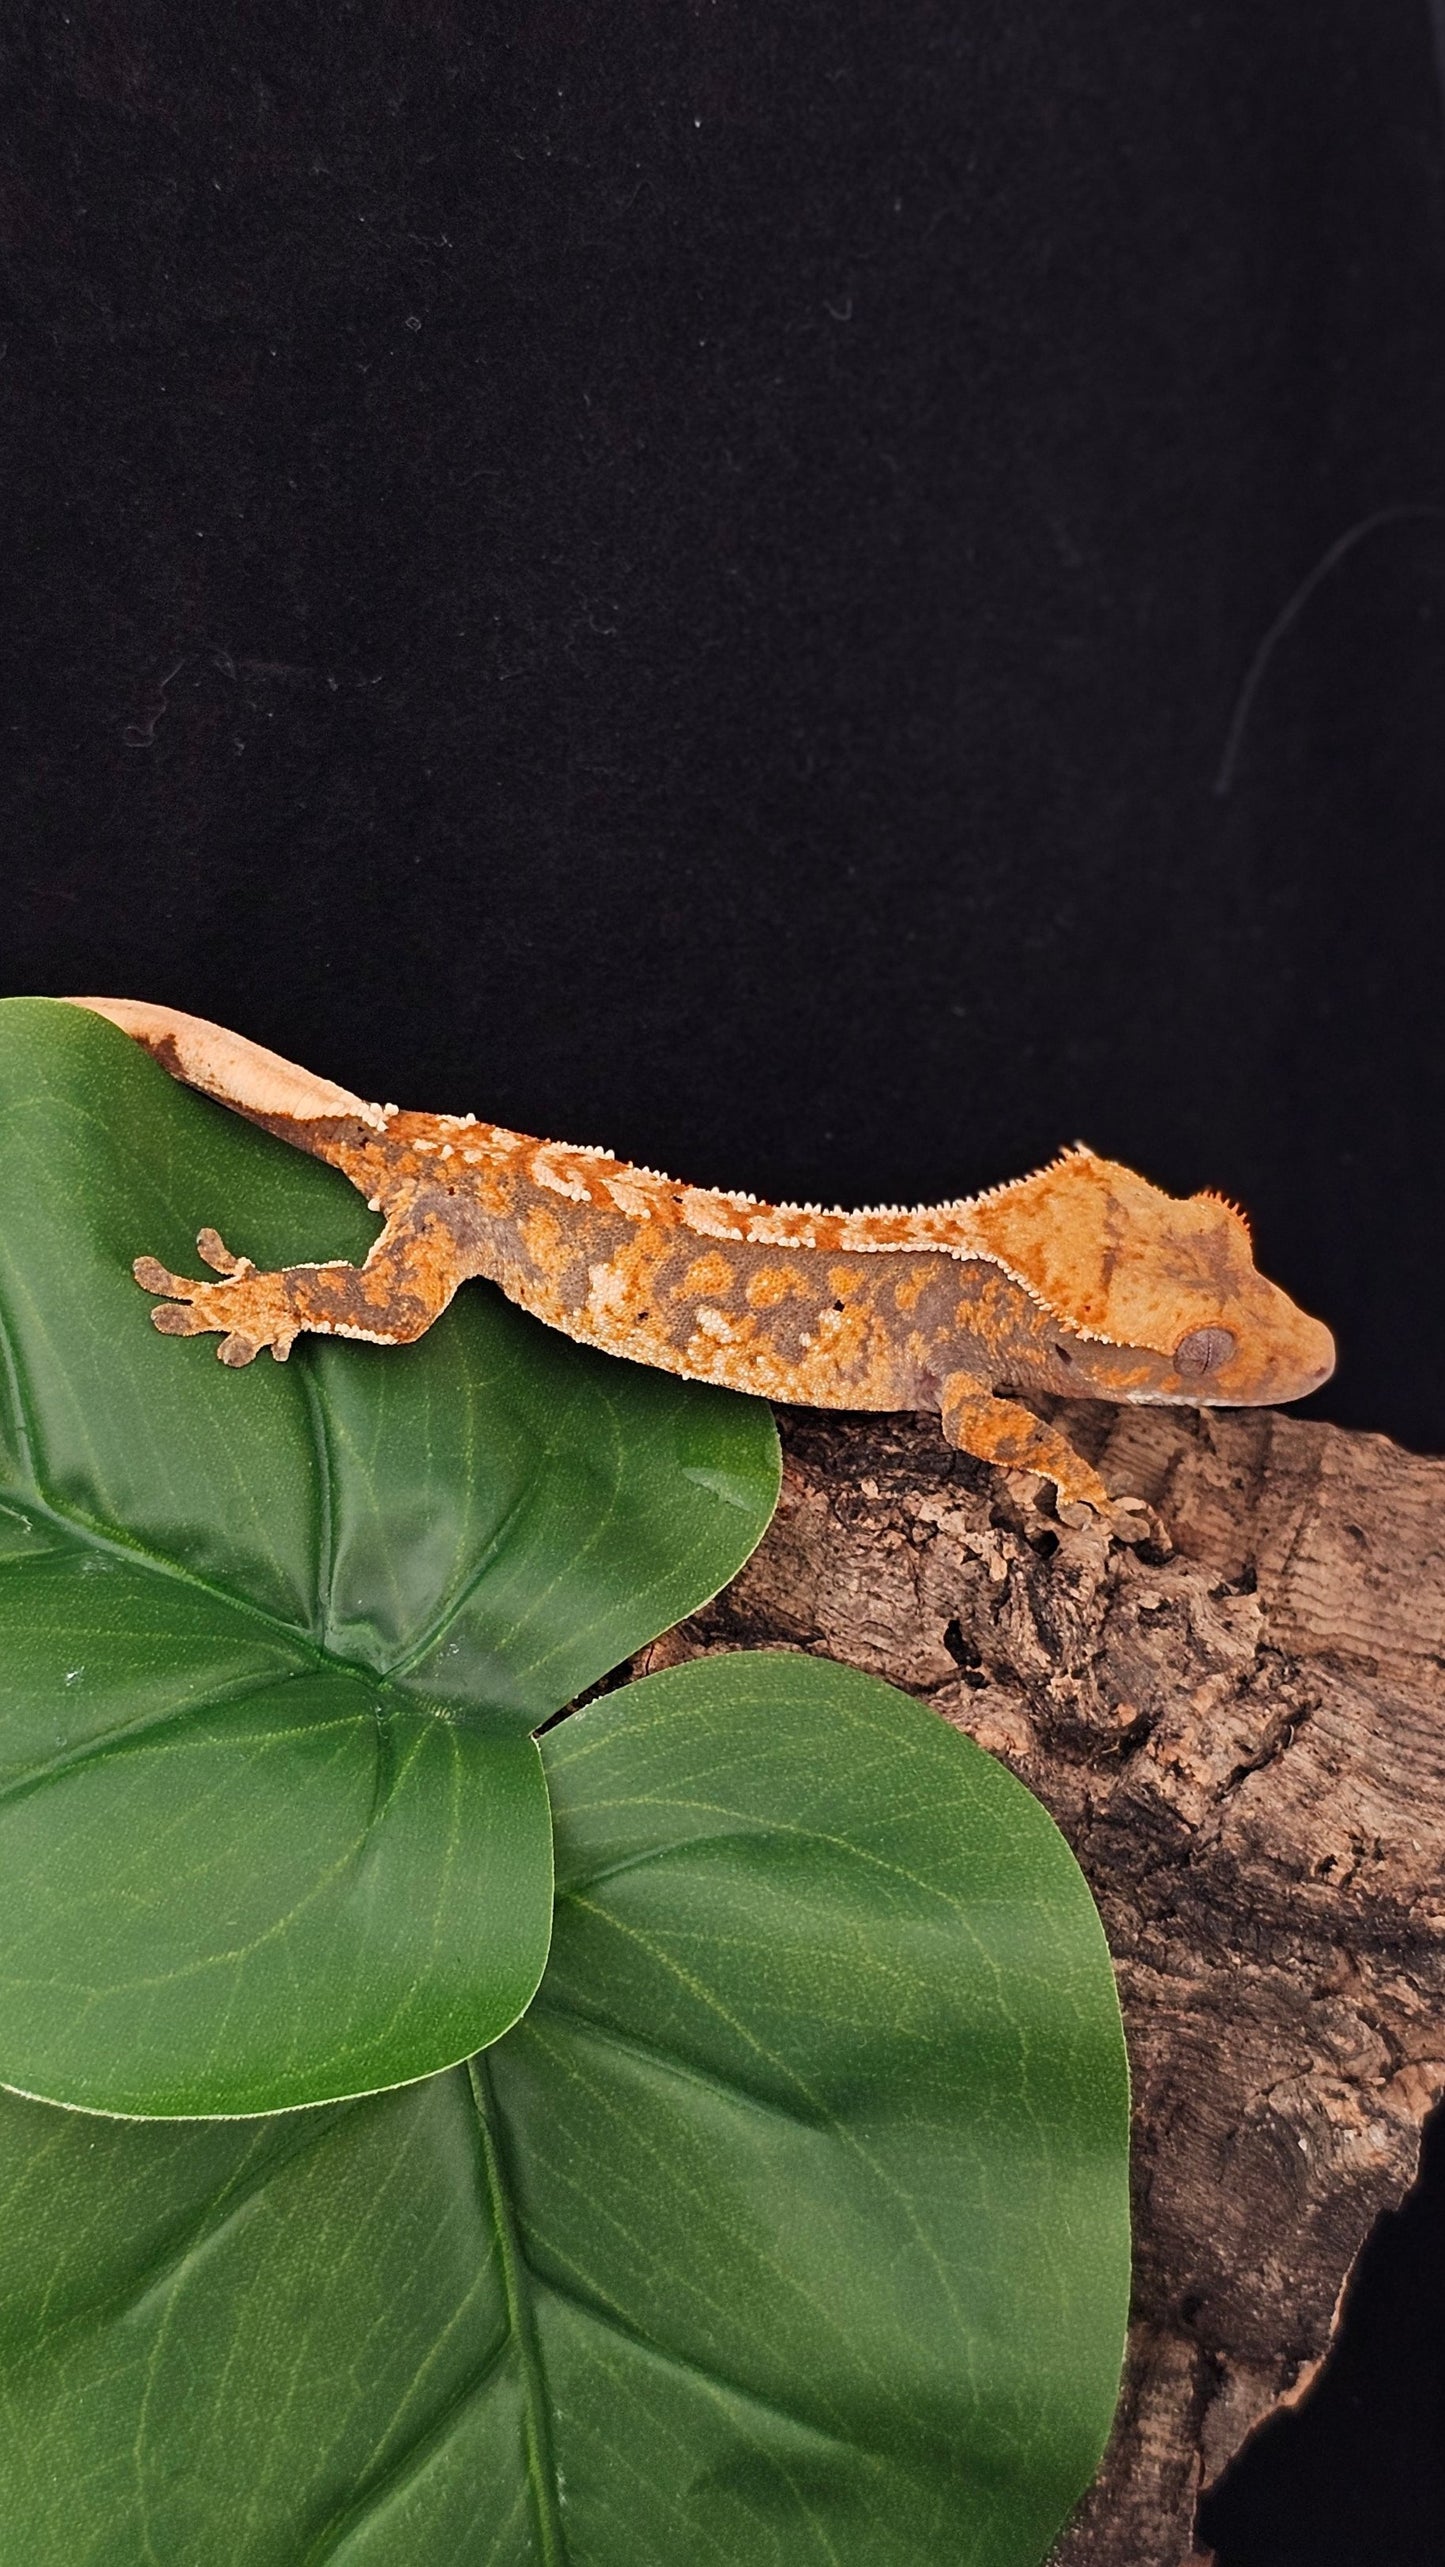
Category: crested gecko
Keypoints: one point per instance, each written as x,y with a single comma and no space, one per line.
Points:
1080,1279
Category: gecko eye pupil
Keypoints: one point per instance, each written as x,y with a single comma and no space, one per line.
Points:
1204,1350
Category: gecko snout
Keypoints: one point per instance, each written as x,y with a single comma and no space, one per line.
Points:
1304,1360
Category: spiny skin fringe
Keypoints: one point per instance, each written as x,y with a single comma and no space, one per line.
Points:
1212,1195
820,1211
958,1205
740,1201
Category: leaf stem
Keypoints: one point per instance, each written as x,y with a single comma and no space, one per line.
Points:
541,2461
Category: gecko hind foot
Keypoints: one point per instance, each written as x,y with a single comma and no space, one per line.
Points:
248,1310
407,1281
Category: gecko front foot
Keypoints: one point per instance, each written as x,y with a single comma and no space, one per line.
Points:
249,1310
1130,1520
1002,1431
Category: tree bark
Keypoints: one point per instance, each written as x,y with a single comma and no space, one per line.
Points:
1237,1723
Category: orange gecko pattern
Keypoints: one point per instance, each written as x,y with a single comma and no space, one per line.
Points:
1081,1279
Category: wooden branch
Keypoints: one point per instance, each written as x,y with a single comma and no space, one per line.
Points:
1239,1729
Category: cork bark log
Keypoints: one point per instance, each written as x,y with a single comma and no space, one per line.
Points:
1240,1727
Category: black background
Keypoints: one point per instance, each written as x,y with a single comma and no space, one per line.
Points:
702,578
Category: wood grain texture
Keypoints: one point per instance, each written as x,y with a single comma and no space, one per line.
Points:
1240,1731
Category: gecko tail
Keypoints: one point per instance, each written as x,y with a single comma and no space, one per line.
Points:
227,1067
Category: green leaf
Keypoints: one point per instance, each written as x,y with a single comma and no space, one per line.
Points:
272,1825
789,2226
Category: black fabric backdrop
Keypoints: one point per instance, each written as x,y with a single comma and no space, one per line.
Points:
831,598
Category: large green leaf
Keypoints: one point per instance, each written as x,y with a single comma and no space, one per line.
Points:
789,2226
272,1825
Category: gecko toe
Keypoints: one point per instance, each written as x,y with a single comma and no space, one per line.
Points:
237,1350
175,1319
211,1246
1132,1520
152,1276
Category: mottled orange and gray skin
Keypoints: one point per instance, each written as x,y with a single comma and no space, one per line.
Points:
1080,1279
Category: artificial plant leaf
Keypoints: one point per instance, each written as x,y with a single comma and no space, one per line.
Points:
272,1824
788,2226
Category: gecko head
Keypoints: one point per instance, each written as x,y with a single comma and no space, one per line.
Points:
1158,1297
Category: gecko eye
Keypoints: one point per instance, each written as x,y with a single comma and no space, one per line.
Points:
1204,1350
